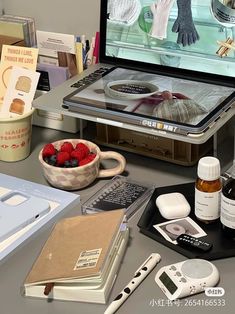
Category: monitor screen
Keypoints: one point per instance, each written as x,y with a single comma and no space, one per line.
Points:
173,66
172,37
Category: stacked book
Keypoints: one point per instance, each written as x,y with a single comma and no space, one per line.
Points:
19,27
81,258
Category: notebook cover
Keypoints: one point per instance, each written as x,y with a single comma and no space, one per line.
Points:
69,241
222,246
90,292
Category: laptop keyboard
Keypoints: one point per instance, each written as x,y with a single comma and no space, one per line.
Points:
91,78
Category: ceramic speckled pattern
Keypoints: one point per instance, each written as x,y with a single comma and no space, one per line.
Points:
80,177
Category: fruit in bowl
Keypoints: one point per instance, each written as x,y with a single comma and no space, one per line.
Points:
67,155
73,164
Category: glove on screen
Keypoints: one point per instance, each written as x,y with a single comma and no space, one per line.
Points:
184,26
124,11
161,11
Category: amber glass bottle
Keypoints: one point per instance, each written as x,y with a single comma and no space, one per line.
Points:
227,217
208,190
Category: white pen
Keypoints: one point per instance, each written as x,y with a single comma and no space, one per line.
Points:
139,276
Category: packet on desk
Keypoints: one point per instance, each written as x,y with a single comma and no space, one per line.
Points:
120,192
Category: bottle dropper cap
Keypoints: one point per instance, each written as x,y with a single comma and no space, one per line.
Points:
208,168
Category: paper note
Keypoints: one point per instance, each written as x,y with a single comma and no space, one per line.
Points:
50,43
88,259
15,56
20,91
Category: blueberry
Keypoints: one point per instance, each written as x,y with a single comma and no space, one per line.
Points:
52,160
74,163
46,159
67,164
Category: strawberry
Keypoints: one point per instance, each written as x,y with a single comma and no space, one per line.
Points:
92,156
67,147
83,148
48,150
84,161
78,154
62,157
88,159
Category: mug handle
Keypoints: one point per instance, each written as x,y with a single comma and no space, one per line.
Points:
113,171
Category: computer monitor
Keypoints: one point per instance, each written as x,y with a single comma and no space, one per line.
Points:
134,34
170,66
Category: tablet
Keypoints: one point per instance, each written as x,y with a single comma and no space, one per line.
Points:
176,105
17,210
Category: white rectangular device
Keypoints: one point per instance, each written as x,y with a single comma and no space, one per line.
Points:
17,210
186,278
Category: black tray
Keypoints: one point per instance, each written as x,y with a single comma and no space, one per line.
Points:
222,246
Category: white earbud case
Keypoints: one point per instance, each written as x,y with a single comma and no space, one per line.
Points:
173,205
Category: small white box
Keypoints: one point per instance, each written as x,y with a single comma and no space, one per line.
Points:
173,205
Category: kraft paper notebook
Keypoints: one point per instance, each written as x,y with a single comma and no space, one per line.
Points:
80,258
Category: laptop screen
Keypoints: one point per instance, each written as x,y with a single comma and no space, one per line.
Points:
174,66
172,37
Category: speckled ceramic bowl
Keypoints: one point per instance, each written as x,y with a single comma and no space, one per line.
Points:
79,177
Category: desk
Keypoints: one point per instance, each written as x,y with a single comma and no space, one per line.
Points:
147,298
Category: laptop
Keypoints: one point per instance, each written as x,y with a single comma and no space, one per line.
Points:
180,85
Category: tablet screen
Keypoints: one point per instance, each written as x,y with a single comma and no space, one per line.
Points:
143,95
